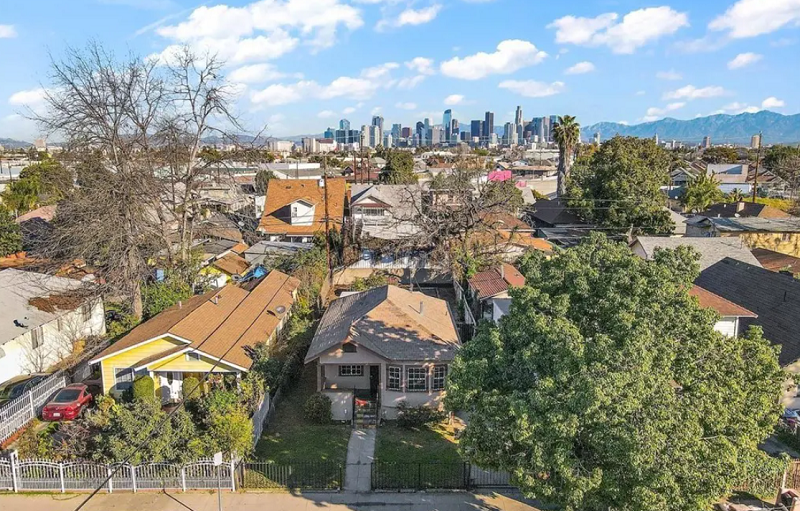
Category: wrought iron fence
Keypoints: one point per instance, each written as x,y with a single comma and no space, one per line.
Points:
297,476
420,476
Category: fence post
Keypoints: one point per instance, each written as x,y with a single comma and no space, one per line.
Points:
133,477
467,474
183,478
61,476
33,407
233,478
110,474
14,481
419,476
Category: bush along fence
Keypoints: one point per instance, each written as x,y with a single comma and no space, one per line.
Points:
45,475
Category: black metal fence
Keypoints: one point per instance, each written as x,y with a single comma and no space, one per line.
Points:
327,476
435,476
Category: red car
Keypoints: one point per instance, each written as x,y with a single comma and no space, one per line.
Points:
68,403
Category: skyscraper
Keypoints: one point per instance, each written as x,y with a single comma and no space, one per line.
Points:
329,133
546,127
454,132
706,142
755,141
488,126
420,133
552,123
476,128
396,129
597,138
510,133
518,120
344,124
377,120
406,132
446,119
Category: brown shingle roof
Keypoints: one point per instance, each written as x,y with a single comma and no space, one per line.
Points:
775,261
282,192
497,280
725,308
232,264
221,323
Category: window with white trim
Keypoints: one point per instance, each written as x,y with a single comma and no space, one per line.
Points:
439,377
351,370
192,355
37,338
416,379
123,378
372,211
394,378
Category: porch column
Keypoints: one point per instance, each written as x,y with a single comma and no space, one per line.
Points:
320,377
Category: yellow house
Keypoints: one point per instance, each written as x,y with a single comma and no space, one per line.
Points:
210,332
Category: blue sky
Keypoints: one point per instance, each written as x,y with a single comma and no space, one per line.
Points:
301,65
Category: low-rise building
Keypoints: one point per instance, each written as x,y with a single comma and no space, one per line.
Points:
387,212
777,234
711,250
489,291
295,209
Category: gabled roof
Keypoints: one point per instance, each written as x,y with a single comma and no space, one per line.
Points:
388,321
753,224
554,212
725,308
775,261
281,193
712,250
232,264
744,209
496,280
775,297
223,323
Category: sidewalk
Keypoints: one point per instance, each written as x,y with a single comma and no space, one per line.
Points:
360,453
207,501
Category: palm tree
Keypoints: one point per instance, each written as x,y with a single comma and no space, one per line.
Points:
701,192
567,134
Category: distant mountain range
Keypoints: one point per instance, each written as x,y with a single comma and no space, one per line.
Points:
10,143
722,128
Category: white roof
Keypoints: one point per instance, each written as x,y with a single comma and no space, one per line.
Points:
16,289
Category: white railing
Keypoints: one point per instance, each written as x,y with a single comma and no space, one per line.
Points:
260,416
390,262
47,475
17,413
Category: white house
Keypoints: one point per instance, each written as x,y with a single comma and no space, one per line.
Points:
731,177
382,347
41,319
386,211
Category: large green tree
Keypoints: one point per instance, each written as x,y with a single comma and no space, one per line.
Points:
399,168
720,154
620,186
607,387
10,236
701,192
44,182
567,134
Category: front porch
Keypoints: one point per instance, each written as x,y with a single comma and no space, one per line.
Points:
354,391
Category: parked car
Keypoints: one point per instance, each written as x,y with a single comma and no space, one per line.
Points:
68,403
18,385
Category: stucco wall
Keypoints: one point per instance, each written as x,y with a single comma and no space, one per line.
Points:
390,399
341,404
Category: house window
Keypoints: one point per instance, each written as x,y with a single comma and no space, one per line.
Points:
439,376
394,378
416,379
123,378
349,347
192,355
351,370
86,312
372,212
786,237
37,338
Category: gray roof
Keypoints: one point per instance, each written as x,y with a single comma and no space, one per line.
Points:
679,221
554,212
404,202
749,224
17,287
728,173
712,250
387,321
775,297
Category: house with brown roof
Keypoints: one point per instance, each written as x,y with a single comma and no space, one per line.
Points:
729,312
381,347
488,291
775,261
743,209
211,332
294,209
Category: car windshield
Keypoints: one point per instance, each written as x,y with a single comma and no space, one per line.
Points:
67,395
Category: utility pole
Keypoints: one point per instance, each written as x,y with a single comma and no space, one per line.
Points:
758,159
327,222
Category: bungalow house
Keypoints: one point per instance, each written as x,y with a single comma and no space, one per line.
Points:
382,347
711,250
295,209
731,314
387,212
41,319
774,298
488,291
731,177
743,209
778,234
210,332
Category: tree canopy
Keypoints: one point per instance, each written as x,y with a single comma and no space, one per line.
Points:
701,192
10,236
619,186
41,183
607,387
399,169
720,154
567,134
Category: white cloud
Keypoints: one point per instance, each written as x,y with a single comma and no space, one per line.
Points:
744,59
379,72
349,110
580,68
262,29
256,73
33,98
640,93
326,114
454,99
375,111
511,55
406,106
280,94
669,75
772,102
421,65
532,88
410,16
410,82
691,92
738,108
750,18
7,31
636,29
624,123
655,112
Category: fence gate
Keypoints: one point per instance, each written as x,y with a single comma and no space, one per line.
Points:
6,476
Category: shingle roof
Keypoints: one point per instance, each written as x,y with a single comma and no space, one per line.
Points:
712,250
553,212
752,224
775,297
232,264
387,321
496,280
221,323
282,192
725,308
775,261
744,209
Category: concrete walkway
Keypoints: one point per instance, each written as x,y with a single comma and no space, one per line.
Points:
360,453
207,501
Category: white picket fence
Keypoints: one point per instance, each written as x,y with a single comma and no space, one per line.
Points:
17,413
260,416
46,475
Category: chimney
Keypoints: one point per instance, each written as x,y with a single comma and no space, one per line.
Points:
421,308
180,304
740,206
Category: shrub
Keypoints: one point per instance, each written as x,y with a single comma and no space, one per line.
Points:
318,409
159,296
191,388
144,388
270,370
411,417
35,443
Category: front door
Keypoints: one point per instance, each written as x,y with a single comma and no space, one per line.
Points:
374,380
171,386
